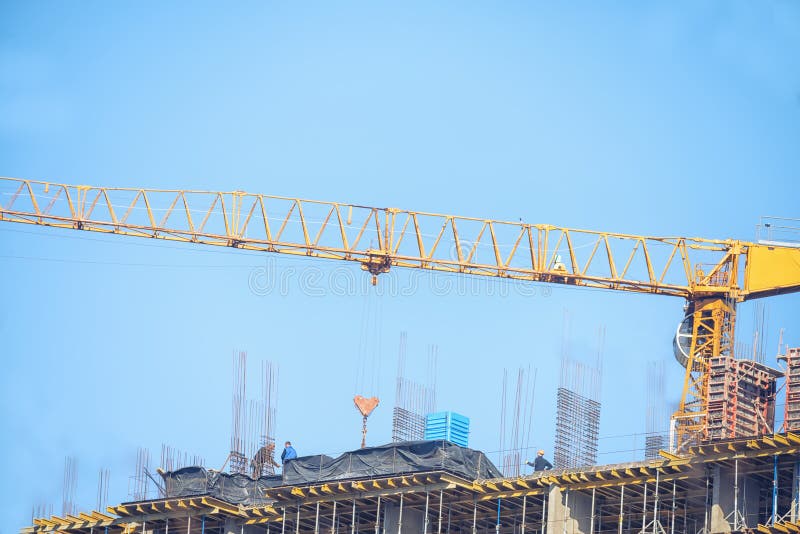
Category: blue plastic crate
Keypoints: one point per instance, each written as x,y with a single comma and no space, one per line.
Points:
449,426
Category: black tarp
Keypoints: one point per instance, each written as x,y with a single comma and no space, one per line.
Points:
233,488
391,459
386,460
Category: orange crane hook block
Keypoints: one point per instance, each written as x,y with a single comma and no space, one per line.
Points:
365,406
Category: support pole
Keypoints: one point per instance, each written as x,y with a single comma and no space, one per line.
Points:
591,519
316,520
566,510
378,516
656,522
425,523
621,502
774,489
497,526
297,520
353,526
644,508
475,517
672,518
705,514
333,519
524,506
283,522
796,492
400,516
441,499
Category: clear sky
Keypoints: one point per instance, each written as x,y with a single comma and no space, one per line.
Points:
655,119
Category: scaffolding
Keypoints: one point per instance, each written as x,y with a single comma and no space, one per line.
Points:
741,399
791,416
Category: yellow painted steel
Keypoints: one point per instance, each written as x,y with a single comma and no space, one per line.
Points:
381,238
706,272
771,270
712,336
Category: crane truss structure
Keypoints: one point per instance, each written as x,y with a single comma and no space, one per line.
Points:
712,275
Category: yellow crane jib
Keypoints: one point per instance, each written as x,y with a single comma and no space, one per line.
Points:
712,275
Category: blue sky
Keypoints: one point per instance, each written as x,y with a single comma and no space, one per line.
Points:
653,119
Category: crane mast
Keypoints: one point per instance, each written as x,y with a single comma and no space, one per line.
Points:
711,275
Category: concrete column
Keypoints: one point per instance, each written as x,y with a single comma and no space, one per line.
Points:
413,520
568,512
723,499
231,527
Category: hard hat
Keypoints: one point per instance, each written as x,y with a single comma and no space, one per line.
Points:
541,452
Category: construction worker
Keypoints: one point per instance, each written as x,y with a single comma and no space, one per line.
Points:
539,464
288,453
264,460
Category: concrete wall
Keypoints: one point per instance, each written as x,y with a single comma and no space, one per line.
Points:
724,497
413,521
568,512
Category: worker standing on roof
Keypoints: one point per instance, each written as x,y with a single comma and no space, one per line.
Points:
288,453
540,464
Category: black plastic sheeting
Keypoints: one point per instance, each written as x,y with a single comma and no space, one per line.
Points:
386,460
392,459
236,489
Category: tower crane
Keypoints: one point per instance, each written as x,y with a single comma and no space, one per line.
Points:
712,276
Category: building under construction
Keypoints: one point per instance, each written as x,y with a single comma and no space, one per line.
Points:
727,471
746,485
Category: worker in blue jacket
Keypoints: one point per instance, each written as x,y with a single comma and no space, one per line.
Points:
288,453
540,464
